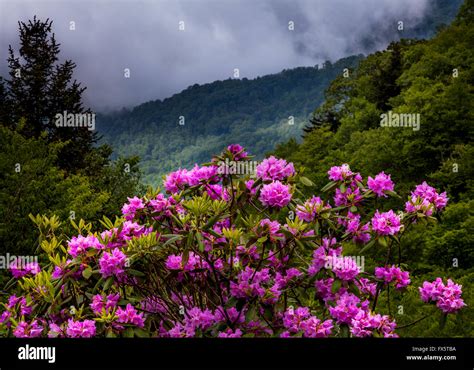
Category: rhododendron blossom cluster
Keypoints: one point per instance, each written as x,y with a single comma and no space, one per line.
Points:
227,255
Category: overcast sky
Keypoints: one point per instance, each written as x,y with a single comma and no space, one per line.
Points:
219,35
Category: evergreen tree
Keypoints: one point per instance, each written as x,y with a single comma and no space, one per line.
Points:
38,88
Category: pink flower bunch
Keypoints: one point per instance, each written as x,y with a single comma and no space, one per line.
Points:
393,273
275,194
28,330
176,181
194,262
250,283
80,329
269,228
217,192
129,315
271,169
425,199
386,223
429,193
366,287
199,175
195,319
355,228
322,254
282,279
238,152
20,304
380,184
347,307
310,209
129,209
102,304
324,289
365,323
132,230
78,245
340,173
112,263
160,204
31,268
447,297
345,268
350,197
300,320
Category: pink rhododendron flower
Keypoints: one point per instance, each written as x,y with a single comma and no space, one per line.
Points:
80,329
203,174
345,268
447,297
340,173
31,268
351,197
112,263
80,244
176,181
129,315
310,209
380,184
387,223
393,273
25,330
237,151
275,194
129,209
271,169
249,283
347,307
425,199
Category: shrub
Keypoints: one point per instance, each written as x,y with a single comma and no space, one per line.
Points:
229,255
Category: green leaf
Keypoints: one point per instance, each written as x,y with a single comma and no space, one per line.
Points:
87,273
367,246
135,272
200,242
336,286
108,282
140,333
329,186
128,333
305,181
383,242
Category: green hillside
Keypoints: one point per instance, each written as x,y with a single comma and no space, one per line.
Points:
253,113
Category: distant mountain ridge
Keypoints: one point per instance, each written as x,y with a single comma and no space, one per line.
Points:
199,121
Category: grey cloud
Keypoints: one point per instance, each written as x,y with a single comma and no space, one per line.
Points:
219,36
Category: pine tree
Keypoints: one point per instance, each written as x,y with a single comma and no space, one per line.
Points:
40,87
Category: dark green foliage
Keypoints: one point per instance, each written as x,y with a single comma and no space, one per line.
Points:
45,169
